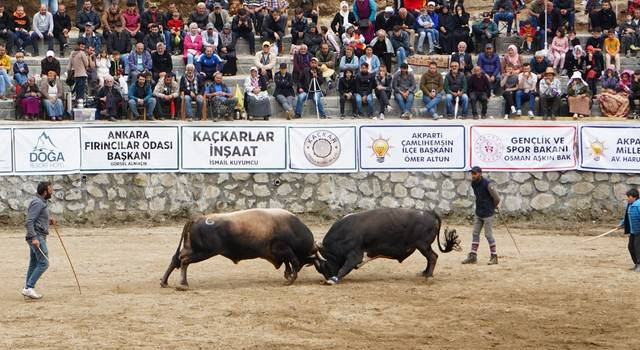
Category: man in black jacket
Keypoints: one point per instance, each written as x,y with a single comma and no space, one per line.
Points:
309,87
6,23
242,27
365,82
273,29
87,15
49,63
162,64
462,57
119,40
150,17
487,202
385,20
347,91
284,93
607,17
61,27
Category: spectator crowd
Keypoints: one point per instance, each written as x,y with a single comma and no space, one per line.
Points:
122,61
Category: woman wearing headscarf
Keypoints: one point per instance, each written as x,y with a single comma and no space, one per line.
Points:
575,61
446,31
30,99
342,18
579,96
257,98
227,50
614,102
511,59
461,28
593,68
365,13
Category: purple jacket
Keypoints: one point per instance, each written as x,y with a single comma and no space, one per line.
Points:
146,61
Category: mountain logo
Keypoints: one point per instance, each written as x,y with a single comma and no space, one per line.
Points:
45,152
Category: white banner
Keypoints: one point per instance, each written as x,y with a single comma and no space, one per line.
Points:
50,150
610,148
412,147
523,147
6,153
129,148
321,148
234,148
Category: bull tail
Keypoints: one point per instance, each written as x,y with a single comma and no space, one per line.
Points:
451,239
176,257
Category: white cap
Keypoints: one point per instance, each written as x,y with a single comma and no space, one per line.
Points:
50,53
388,9
431,3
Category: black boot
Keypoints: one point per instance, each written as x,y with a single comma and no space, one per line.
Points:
472,258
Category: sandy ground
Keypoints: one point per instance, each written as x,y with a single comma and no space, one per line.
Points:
560,294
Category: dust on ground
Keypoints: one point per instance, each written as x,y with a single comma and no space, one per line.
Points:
561,293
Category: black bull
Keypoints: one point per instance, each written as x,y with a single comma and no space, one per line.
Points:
359,238
272,234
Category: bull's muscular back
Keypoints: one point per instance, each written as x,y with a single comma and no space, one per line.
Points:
250,233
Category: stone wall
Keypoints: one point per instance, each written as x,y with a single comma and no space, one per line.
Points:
115,198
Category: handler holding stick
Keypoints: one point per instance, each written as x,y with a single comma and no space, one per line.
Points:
487,201
37,230
631,224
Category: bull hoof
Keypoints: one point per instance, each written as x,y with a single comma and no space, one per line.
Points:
289,281
182,287
332,281
426,274
163,284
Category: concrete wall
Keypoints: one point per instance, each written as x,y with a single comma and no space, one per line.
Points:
112,198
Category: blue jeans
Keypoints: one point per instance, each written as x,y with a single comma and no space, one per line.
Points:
38,263
35,40
369,99
401,54
52,5
150,104
167,40
316,98
431,35
189,110
430,104
464,100
21,38
405,106
191,58
54,109
79,87
531,96
5,81
504,17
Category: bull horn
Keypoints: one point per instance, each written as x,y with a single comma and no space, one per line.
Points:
319,256
318,244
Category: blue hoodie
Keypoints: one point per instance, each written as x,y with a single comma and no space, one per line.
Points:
633,210
489,65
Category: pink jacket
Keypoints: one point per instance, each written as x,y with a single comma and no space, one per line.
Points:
188,43
560,44
131,19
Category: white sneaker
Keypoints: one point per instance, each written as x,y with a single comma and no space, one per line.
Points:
389,108
436,116
381,116
530,114
513,110
506,116
520,112
31,293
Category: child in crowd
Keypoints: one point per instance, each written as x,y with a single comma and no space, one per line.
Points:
175,25
596,39
573,40
103,64
116,63
426,30
527,34
20,69
559,48
634,95
612,49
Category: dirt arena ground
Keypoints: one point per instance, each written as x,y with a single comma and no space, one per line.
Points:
561,293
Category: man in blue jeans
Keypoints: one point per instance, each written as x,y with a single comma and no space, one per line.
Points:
631,225
309,88
37,230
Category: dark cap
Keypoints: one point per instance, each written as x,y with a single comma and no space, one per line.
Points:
283,65
404,66
476,170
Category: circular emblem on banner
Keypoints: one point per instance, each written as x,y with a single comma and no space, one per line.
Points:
489,148
322,148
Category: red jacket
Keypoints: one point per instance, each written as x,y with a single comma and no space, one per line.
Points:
188,43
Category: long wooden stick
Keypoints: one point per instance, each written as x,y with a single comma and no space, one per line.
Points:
55,227
509,232
602,235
